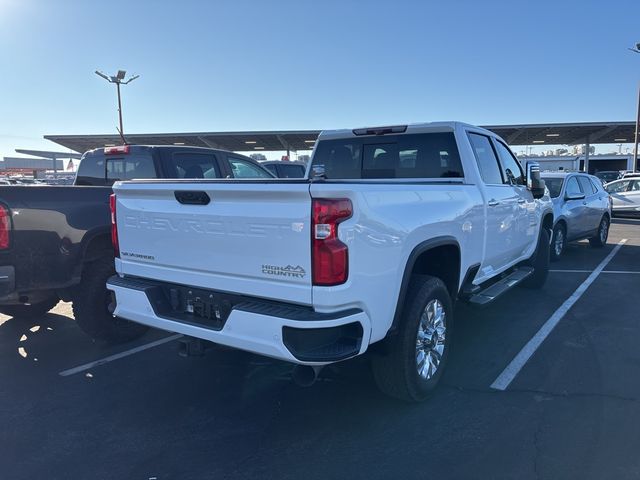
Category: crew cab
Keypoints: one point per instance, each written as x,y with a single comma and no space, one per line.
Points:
391,226
55,241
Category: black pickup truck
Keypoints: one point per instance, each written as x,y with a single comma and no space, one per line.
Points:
55,241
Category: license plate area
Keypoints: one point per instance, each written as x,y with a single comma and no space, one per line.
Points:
211,308
192,305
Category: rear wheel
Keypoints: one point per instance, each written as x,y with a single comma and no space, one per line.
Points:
540,262
417,354
600,239
29,310
558,242
91,306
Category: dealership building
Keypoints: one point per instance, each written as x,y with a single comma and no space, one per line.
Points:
26,165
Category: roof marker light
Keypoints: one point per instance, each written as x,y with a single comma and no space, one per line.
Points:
122,149
380,130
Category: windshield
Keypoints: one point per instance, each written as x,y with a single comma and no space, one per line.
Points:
554,185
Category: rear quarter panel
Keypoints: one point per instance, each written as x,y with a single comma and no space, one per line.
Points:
388,222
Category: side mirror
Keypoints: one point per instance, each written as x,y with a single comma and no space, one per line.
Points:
574,196
534,183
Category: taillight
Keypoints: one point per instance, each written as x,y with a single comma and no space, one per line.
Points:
114,225
330,256
122,149
5,227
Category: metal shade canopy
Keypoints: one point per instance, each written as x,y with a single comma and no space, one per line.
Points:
278,140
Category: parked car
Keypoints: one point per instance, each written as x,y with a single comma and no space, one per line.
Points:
631,175
625,194
607,176
55,241
403,221
283,169
581,209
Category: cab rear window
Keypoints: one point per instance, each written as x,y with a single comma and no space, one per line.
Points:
425,155
98,169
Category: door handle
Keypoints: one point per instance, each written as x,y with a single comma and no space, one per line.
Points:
522,200
493,202
584,203
187,197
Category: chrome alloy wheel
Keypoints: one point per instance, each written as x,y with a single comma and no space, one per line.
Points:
558,245
430,340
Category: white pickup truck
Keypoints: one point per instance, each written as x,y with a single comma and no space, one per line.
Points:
393,225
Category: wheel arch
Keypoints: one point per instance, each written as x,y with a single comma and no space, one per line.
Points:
548,221
438,257
96,244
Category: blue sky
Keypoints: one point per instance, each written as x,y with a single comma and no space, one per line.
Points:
250,65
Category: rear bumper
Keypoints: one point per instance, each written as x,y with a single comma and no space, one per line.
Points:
286,332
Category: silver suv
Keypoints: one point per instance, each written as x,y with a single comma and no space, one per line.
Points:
581,209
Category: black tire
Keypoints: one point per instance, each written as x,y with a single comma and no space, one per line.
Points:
90,306
600,239
396,371
540,262
32,310
558,242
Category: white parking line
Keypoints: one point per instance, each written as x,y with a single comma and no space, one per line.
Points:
589,271
519,361
117,356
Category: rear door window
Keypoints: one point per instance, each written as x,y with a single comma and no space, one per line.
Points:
193,165
425,155
486,158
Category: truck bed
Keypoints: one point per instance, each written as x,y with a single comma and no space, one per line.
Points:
51,226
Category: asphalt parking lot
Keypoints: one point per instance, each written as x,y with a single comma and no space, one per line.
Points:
570,409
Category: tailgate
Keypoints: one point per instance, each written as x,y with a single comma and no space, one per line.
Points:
250,238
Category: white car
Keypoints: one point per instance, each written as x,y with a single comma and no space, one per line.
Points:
581,209
625,194
394,225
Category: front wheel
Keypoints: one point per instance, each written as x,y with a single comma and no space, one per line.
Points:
600,239
417,354
540,263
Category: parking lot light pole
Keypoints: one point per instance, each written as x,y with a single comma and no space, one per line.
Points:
635,148
118,79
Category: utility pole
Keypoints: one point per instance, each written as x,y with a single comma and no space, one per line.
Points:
118,79
635,148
